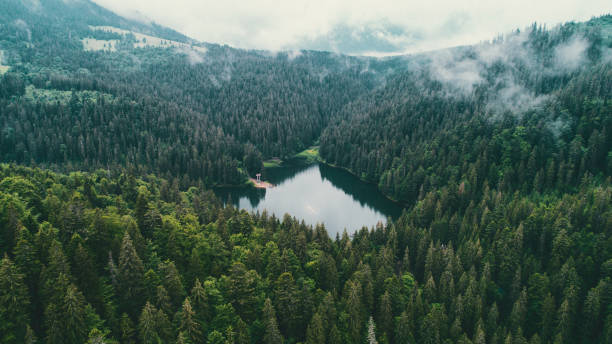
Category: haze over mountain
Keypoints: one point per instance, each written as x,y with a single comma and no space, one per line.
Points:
116,133
352,27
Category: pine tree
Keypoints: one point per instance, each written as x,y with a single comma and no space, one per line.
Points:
97,337
50,275
215,337
199,301
85,273
335,337
519,311
242,291
479,336
286,303
26,257
242,333
271,333
188,323
162,300
14,303
140,210
433,328
316,331
353,307
127,331
403,329
548,318
74,316
592,310
66,320
147,325
371,331
130,273
564,322
385,315
182,338
30,336
173,283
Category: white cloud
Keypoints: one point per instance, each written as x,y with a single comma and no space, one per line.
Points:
572,54
277,25
193,56
462,74
22,25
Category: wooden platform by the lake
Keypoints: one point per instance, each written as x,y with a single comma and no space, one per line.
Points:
261,184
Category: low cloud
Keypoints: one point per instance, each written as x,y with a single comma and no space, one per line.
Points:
385,27
460,74
501,66
32,5
572,54
193,56
23,26
514,98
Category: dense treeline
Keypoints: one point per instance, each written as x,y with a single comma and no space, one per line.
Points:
103,258
152,136
502,153
183,101
415,135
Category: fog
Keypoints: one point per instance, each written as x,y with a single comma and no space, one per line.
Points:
462,70
380,28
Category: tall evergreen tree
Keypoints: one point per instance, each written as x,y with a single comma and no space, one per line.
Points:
130,274
188,325
272,334
14,303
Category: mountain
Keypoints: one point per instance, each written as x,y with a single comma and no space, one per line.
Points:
113,131
521,101
381,37
157,75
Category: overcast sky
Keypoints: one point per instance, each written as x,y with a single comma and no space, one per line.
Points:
380,27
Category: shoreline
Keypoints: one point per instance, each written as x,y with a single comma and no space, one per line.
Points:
261,184
398,202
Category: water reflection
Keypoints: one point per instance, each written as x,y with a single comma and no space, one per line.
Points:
317,194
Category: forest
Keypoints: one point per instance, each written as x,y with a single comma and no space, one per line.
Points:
500,154
103,258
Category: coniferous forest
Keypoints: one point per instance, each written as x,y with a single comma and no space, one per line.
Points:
110,232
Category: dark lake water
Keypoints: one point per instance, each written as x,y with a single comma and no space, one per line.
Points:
317,194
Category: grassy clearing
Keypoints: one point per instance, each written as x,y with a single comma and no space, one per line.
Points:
92,44
305,157
40,95
273,163
309,156
144,41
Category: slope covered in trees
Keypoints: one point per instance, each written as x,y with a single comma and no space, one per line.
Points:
253,104
528,112
502,153
110,258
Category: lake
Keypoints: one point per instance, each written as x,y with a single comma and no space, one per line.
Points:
317,194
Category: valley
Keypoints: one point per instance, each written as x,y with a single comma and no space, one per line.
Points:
319,195
460,195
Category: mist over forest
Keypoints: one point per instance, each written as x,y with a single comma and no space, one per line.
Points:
115,134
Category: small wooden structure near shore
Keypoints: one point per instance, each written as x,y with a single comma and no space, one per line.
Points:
260,184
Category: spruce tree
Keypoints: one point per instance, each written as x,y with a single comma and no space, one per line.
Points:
130,274
272,334
188,323
14,303
316,331
147,325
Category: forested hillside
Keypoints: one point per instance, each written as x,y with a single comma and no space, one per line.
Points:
112,133
254,104
104,258
520,113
